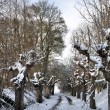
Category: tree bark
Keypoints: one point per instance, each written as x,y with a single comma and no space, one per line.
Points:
92,101
19,91
0,91
84,92
45,65
0,87
73,91
108,95
78,91
19,98
47,92
39,93
52,89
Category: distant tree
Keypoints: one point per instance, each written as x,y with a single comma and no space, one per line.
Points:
52,29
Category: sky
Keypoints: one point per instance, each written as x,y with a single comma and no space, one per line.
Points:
71,17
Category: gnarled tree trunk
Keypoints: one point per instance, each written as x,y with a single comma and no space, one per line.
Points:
52,89
73,91
78,88
84,92
108,95
19,90
19,98
92,100
47,91
39,93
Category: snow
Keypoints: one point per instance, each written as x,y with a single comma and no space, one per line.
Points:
102,100
97,60
35,77
9,92
77,104
31,51
93,73
108,59
50,80
107,32
57,90
101,46
18,79
97,47
17,65
46,105
105,44
100,81
83,47
29,96
38,78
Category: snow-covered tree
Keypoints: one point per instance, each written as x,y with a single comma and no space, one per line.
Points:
22,68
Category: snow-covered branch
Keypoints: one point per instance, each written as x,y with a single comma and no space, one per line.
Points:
99,81
82,49
50,80
26,61
38,78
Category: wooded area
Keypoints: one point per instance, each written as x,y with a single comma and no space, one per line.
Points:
32,35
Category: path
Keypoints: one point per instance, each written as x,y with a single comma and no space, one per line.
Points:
68,103
57,104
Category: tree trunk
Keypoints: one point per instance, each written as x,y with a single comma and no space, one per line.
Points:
78,91
47,92
84,92
0,87
73,91
92,101
19,91
19,98
45,65
52,89
108,95
39,93
0,91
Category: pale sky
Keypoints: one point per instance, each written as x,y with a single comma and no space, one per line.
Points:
71,17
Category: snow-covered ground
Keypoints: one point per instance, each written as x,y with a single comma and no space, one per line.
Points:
77,104
29,96
46,105
60,101
102,100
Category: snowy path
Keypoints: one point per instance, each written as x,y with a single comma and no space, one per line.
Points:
61,101
66,102
46,105
58,102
